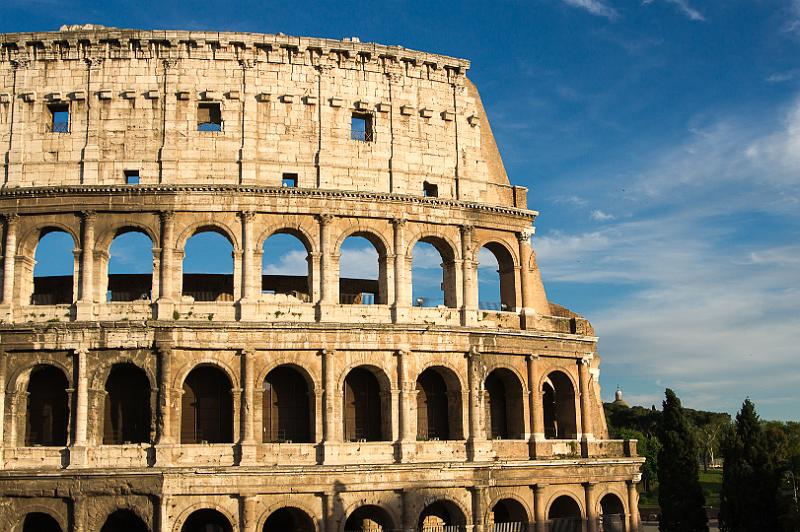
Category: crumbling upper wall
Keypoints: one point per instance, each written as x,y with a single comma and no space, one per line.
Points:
286,106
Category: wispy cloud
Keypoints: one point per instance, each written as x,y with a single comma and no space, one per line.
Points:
600,216
595,7
781,77
684,7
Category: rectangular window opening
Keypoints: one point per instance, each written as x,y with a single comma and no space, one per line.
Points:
131,177
289,181
209,117
429,190
59,113
361,127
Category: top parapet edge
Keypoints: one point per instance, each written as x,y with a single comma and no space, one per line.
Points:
243,40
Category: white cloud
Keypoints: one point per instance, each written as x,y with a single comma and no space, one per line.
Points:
359,263
688,10
290,263
600,216
780,77
595,7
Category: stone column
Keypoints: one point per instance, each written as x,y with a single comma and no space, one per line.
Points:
478,509
406,437
79,513
591,513
78,450
248,292
633,505
539,507
9,258
165,302
248,441
165,436
401,298
331,434
586,415
469,312
535,402
2,400
248,515
477,446
523,237
86,302
409,519
328,296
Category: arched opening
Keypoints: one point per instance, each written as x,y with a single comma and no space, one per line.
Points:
362,271
48,408
438,405
124,521
127,406
207,520
496,278
285,258
288,520
207,407
40,522
508,515
130,267
286,407
208,266
369,519
54,269
565,515
558,402
612,514
504,405
363,406
433,274
441,516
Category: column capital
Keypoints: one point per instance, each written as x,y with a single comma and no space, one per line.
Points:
467,230
398,222
525,235
532,357
586,359
166,216
10,218
325,219
634,481
247,216
327,352
474,351
403,351
80,351
88,216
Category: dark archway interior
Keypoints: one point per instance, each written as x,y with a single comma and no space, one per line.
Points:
207,407
48,409
504,405
558,402
362,406
288,520
286,407
127,409
40,522
207,520
441,514
612,513
124,521
509,511
368,518
433,420
565,515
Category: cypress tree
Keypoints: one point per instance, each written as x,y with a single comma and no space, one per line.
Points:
750,482
680,495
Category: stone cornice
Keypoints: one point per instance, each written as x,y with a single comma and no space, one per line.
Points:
17,193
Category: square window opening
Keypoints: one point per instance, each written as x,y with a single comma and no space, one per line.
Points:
131,177
361,127
289,181
59,115
209,117
429,190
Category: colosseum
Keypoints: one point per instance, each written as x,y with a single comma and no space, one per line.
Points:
179,401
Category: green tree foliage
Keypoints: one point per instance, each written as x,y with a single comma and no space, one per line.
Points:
750,478
680,494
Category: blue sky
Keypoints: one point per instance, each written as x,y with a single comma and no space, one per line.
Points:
660,141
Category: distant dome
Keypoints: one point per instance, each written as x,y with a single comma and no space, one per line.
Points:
618,400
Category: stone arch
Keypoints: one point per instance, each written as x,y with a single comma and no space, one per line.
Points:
441,512
125,519
102,369
187,513
558,404
208,225
564,505
505,404
288,405
353,293
611,509
287,502
355,515
207,406
26,244
40,522
366,404
439,404
525,516
127,406
296,230
47,408
105,238
288,518
48,290
443,243
373,234
58,515
508,265
206,361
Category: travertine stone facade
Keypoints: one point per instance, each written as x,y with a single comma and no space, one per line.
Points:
525,441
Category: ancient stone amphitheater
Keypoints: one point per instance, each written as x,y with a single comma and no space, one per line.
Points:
174,401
